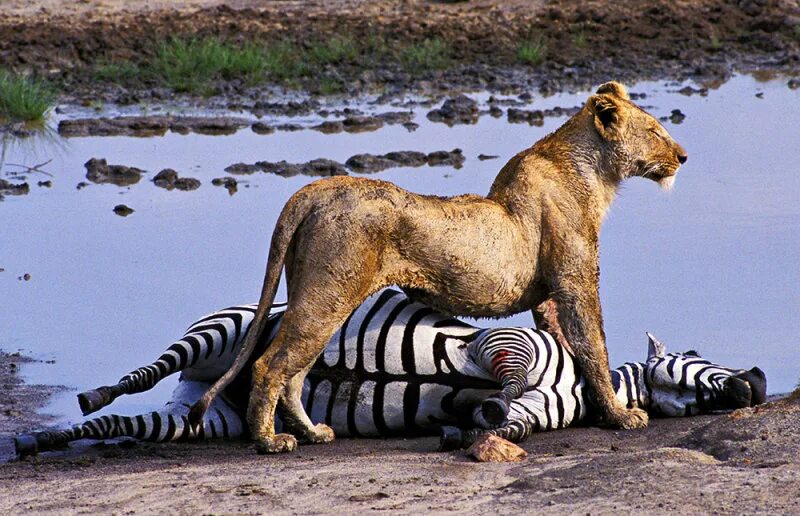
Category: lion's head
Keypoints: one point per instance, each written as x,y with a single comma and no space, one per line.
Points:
641,145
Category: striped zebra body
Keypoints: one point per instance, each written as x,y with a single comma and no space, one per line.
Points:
398,368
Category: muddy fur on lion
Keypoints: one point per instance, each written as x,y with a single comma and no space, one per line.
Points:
531,244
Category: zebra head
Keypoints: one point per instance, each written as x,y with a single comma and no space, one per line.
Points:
684,384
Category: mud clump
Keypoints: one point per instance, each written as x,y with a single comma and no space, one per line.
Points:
100,172
7,188
123,210
228,182
262,128
315,168
362,124
170,180
371,163
536,116
457,110
144,126
676,116
454,158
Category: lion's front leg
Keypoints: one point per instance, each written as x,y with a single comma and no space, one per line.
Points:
581,323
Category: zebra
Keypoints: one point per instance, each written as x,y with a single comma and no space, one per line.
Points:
397,367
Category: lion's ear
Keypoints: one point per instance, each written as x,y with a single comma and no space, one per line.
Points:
614,88
607,111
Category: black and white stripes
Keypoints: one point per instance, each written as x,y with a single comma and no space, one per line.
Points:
398,368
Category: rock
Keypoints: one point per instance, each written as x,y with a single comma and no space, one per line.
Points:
262,128
46,184
453,158
166,179
100,172
361,124
229,183
170,180
144,126
7,188
241,169
793,84
315,168
407,158
676,117
396,117
369,163
330,127
490,448
456,110
289,127
187,184
689,91
532,117
411,126
122,210
484,157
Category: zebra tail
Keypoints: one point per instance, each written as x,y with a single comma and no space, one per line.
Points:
290,219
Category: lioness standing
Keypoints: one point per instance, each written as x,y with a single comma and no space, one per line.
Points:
531,244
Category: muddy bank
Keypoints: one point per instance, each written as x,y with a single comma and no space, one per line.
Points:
20,403
588,470
487,44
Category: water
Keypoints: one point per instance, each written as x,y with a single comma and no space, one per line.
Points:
710,266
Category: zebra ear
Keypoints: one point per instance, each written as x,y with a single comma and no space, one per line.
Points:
654,347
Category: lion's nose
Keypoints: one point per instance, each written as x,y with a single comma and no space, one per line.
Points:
682,156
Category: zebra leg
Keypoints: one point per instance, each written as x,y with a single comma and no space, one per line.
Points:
168,424
203,348
508,355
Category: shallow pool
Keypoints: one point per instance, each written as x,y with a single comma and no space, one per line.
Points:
711,266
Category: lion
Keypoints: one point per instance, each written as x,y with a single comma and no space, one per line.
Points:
530,244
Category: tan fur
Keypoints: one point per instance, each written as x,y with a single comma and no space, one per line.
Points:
533,239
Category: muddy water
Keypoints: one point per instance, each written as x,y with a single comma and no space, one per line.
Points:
710,266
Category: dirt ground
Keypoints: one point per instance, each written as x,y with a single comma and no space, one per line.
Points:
587,42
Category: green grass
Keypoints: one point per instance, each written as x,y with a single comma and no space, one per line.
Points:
335,50
285,61
23,98
579,40
431,54
190,65
532,52
116,71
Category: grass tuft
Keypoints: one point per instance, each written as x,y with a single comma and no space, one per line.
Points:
23,98
119,72
190,65
431,54
285,61
532,52
336,50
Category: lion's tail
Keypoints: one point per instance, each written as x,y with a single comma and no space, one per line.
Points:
290,219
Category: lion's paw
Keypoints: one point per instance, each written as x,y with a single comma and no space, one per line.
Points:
321,434
628,419
278,443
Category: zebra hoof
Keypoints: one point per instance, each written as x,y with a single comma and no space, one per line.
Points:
26,445
494,410
452,438
92,401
